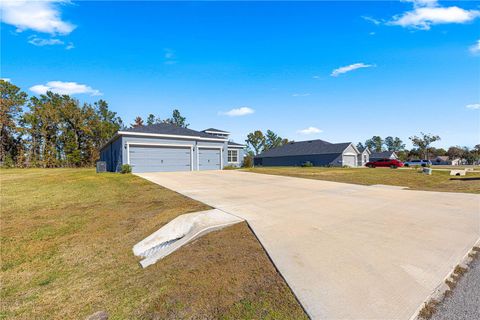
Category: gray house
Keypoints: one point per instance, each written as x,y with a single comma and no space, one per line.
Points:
374,156
166,147
318,152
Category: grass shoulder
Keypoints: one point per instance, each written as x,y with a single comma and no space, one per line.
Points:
67,237
406,177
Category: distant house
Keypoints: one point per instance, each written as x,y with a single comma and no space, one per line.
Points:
317,152
444,160
374,156
363,156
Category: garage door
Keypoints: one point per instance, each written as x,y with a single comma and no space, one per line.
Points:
350,160
155,159
209,159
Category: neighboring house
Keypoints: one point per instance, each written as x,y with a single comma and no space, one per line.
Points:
444,160
441,160
318,152
363,156
166,147
458,162
374,156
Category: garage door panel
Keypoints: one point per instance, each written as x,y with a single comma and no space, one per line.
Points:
350,160
155,158
209,159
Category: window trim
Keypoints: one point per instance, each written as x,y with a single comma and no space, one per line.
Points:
237,155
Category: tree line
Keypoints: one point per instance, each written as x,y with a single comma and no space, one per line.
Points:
422,148
257,142
52,130
176,119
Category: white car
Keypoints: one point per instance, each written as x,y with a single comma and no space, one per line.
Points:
417,162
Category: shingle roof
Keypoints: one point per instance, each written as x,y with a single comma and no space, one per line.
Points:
167,128
381,155
305,148
215,130
234,144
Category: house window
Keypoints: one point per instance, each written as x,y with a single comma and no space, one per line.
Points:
364,158
232,155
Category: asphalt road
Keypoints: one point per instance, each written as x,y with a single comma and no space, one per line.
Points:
464,302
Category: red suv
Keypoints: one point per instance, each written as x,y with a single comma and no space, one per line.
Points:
392,163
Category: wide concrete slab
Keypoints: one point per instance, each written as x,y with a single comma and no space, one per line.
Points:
347,251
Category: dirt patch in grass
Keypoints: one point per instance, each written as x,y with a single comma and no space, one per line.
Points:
408,177
67,237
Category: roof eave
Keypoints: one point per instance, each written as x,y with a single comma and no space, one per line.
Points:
216,132
177,136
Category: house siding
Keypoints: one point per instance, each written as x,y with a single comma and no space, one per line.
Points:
112,155
315,159
362,162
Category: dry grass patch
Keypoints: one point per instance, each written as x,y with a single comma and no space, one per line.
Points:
429,309
67,237
408,177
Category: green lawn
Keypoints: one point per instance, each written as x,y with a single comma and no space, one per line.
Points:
66,240
408,177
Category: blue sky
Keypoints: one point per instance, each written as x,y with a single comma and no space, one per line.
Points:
338,71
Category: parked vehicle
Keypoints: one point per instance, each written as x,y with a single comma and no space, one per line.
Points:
418,162
392,163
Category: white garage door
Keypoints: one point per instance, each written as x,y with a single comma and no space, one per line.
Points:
156,159
350,160
209,159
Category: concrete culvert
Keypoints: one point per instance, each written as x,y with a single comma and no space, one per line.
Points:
179,232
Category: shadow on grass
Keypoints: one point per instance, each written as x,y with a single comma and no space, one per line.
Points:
466,179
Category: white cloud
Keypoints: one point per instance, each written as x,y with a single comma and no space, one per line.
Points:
475,49
300,94
242,111
169,55
316,77
423,3
428,12
6,79
372,20
40,42
61,87
309,130
38,15
341,70
69,46
474,106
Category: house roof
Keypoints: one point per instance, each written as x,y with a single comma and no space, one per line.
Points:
381,155
215,130
301,148
362,150
234,144
167,128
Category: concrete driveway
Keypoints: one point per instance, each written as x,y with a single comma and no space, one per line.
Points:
347,251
